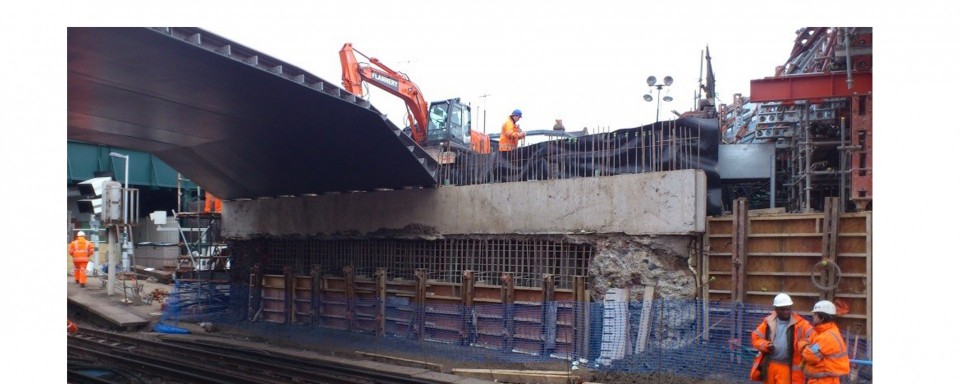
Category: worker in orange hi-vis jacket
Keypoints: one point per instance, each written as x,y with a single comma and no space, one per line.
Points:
71,327
776,339
825,358
510,132
80,249
211,203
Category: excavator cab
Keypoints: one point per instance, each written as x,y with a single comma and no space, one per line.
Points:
449,124
450,127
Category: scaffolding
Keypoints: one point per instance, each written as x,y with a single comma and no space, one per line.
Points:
201,277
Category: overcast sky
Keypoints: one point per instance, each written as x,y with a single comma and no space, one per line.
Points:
586,65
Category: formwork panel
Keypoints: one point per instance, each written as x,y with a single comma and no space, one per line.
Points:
450,314
852,225
528,346
854,244
332,309
852,265
398,329
779,263
784,252
854,285
528,295
340,323
759,225
720,225
795,243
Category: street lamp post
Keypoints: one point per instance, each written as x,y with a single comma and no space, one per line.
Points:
652,82
123,242
484,107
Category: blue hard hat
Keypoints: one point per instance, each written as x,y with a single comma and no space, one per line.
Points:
517,112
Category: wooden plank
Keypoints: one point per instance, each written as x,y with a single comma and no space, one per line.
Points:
869,252
381,317
256,281
467,326
349,287
288,289
316,289
706,277
580,306
831,216
420,275
507,296
644,328
789,254
739,257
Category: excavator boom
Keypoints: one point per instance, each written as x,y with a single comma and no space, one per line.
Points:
395,83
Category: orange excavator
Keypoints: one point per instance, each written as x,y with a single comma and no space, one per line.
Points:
442,124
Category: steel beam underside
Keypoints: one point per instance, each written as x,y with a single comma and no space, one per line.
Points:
230,125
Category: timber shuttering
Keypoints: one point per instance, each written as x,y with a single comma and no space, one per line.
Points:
541,320
524,295
751,257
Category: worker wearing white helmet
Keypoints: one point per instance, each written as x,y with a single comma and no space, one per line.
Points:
825,353
80,250
776,338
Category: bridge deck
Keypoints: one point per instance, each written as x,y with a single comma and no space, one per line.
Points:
239,123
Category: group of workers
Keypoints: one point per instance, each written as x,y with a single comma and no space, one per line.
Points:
795,351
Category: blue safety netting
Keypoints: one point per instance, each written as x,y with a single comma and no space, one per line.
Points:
682,337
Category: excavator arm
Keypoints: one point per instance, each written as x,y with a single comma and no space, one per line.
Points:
396,83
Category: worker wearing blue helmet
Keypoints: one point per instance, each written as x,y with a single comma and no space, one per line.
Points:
510,132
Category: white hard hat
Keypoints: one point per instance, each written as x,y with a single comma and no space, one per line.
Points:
782,300
825,306
81,233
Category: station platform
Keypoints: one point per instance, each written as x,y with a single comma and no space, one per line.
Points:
121,311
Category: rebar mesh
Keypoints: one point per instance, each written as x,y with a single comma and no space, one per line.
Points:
665,146
445,260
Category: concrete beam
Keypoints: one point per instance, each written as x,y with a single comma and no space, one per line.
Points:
634,204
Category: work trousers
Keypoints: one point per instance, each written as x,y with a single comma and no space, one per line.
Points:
824,380
777,373
80,270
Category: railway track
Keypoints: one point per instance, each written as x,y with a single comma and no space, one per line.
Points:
96,356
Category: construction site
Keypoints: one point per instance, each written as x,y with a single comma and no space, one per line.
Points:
625,255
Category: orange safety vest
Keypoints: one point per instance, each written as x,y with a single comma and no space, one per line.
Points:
80,249
831,362
797,329
510,135
211,203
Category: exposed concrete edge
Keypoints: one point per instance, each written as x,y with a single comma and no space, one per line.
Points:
660,203
109,312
